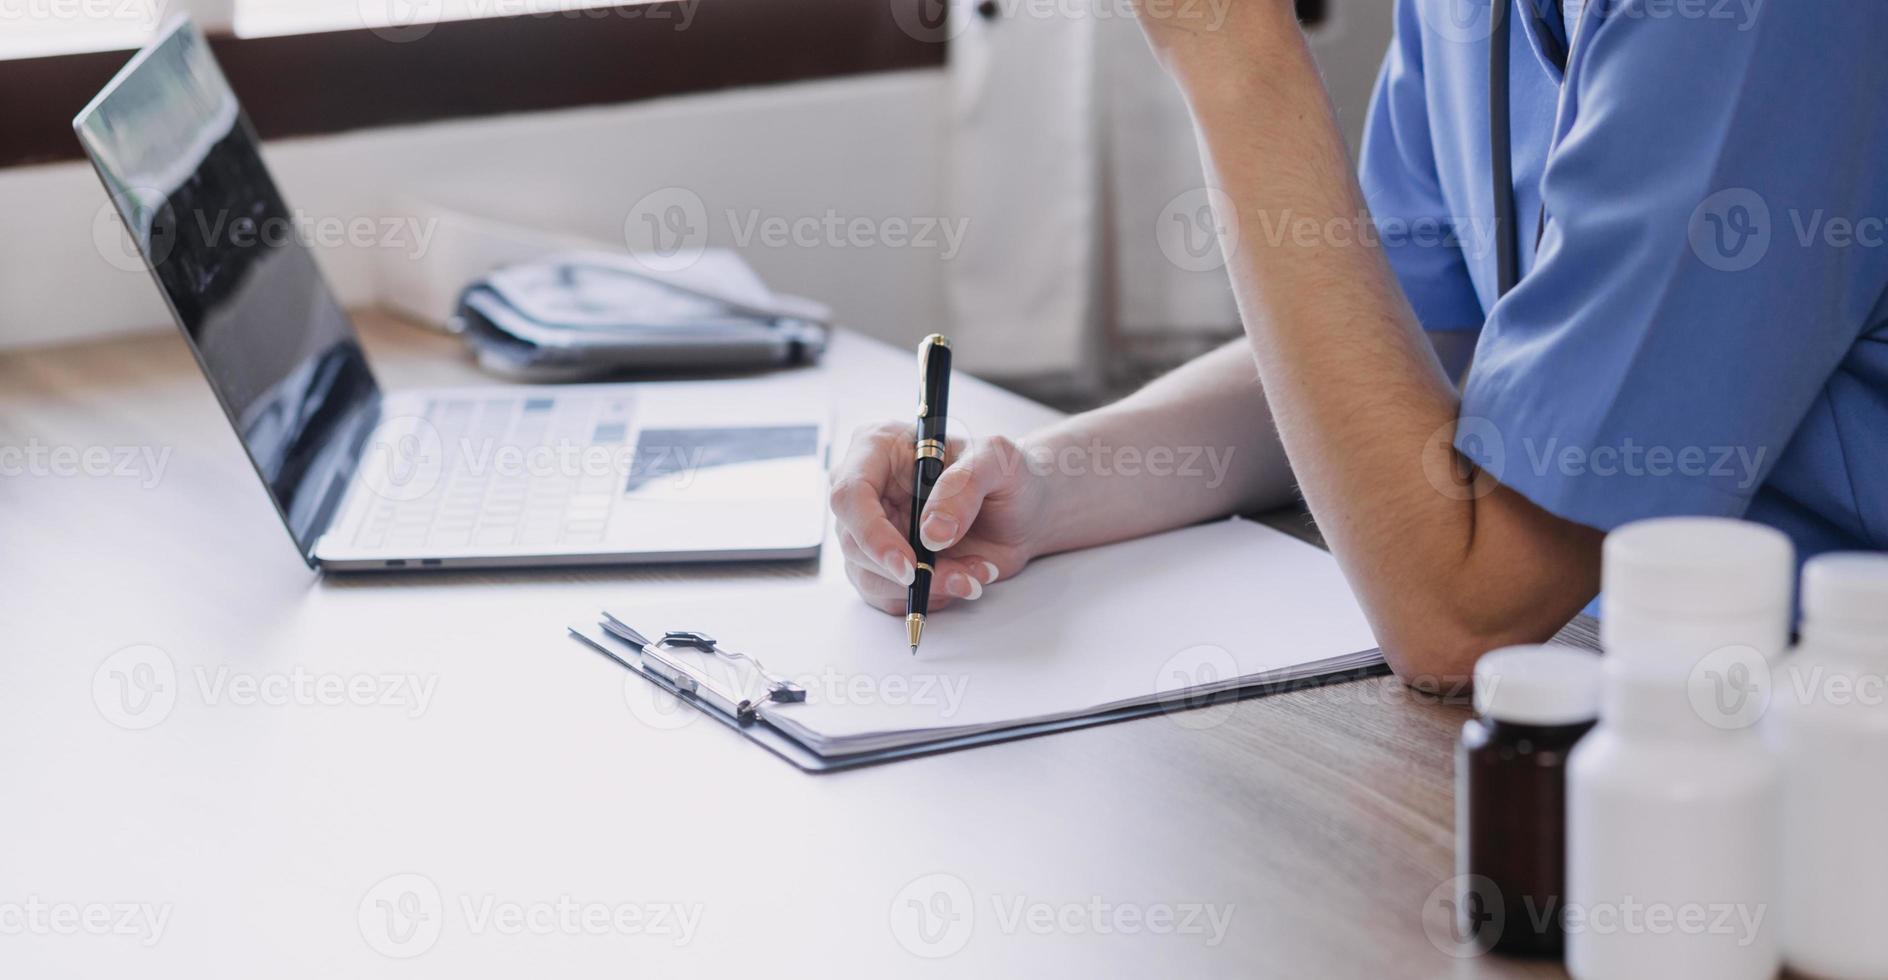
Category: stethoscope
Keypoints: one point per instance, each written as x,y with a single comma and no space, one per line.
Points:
1501,149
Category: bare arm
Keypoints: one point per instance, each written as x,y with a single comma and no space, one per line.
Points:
1196,444
1447,563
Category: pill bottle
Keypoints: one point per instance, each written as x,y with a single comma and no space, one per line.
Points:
1673,802
1828,719
1532,704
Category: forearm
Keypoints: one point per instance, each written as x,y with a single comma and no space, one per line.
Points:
1363,408
1196,444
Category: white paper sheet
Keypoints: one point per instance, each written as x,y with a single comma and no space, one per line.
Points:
1203,608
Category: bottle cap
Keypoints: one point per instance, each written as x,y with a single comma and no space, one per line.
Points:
1697,566
1538,685
1846,590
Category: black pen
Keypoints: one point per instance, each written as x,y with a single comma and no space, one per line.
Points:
934,395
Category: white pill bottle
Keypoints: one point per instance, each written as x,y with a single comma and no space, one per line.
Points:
1829,721
1673,810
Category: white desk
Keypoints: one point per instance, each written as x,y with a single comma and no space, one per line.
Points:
1319,821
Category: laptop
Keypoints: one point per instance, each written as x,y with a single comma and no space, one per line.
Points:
370,479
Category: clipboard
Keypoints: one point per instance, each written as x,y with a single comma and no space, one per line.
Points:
732,695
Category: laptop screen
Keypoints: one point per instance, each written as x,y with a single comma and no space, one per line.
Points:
182,166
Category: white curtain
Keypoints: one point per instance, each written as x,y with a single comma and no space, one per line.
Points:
1068,143
1023,172
1073,158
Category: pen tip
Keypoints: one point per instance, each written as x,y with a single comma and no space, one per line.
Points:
914,628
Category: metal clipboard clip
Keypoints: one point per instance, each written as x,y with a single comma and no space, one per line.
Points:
686,658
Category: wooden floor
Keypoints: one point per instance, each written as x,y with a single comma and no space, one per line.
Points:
1323,816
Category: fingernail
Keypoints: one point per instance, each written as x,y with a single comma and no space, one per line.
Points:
964,587
989,572
901,570
938,531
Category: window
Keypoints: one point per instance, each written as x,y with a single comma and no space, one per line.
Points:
33,28
36,28
308,67
407,19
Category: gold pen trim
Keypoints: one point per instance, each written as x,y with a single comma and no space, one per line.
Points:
930,452
927,567
914,629
924,368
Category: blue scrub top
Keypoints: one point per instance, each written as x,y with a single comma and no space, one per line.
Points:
1704,328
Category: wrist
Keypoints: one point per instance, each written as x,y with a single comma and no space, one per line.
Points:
1078,503
1048,485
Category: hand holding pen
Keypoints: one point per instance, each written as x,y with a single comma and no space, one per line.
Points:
983,519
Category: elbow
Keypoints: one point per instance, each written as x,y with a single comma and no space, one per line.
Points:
1433,641
1438,658
1525,575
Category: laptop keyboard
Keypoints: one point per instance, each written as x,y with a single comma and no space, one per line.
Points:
499,473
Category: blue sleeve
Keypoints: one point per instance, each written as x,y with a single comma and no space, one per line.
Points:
1701,276
1398,173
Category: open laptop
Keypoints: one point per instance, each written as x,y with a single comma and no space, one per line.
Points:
366,479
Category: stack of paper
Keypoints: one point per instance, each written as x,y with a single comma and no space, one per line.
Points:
1168,619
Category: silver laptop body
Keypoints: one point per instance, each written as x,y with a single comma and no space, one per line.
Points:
367,479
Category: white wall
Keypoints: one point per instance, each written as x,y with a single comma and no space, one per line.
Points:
867,147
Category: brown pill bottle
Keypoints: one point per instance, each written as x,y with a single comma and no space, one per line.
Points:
1532,704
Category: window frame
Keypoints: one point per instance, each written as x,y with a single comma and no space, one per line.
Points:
341,80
